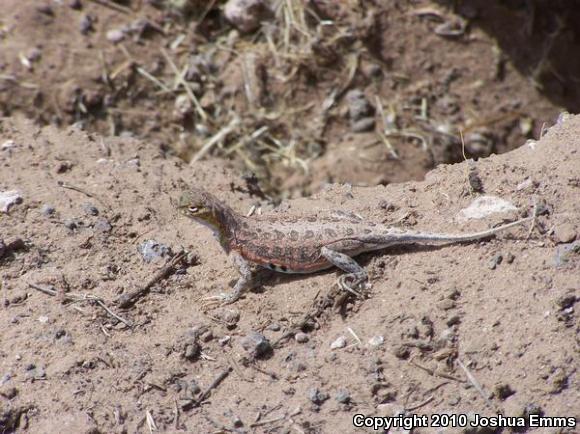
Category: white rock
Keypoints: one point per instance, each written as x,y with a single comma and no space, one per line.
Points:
9,198
8,144
340,342
485,206
246,15
376,341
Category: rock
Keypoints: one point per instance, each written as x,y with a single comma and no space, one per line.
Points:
495,261
479,144
8,199
567,253
246,15
90,209
446,304
316,396
86,24
75,4
358,105
485,206
343,396
274,327
72,224
230,317
565,233
563,302
8,392
256,344
340,342
376,341
8,144
402,352
103,226
363,125
151,250
191,351
503,391
47,210
454,320
301,337
116,35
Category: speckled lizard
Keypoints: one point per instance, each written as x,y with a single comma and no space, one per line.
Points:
303,244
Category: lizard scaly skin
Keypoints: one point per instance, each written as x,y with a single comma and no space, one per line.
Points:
303,244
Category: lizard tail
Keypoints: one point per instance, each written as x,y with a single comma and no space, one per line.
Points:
427,238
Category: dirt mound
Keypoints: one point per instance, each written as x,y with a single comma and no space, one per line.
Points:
93,208
278,101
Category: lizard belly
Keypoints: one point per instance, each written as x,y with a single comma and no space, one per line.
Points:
293,260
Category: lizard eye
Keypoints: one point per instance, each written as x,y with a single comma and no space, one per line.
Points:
193,209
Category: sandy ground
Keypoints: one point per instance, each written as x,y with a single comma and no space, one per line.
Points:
89,204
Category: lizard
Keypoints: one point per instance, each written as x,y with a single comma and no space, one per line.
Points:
308,244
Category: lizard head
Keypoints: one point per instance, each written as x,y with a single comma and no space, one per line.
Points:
208,210
197,204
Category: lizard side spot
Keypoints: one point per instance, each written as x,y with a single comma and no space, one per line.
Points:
330,232
294,235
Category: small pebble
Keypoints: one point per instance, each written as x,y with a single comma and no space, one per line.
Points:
246,15
72,224
301,337
454,320
192,351
446,304
90,209
495,261
151,250
503,391
316,396
274,327
43,319
376,341
115,35
343,396
363,125
565,233
340,342
256,344
47,210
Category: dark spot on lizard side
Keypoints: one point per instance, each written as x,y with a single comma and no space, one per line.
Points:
304,255
309,234
279,235
289,252
349,231
367,231
277,252
266,236
330,232
262,251
311,219
294,235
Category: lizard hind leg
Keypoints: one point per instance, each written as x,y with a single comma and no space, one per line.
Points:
355,274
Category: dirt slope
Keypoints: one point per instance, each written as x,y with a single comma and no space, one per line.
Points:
72,368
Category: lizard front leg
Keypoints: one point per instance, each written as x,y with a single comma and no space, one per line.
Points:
246,281
355,273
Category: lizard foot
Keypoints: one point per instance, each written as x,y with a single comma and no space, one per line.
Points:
221,299
355,282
